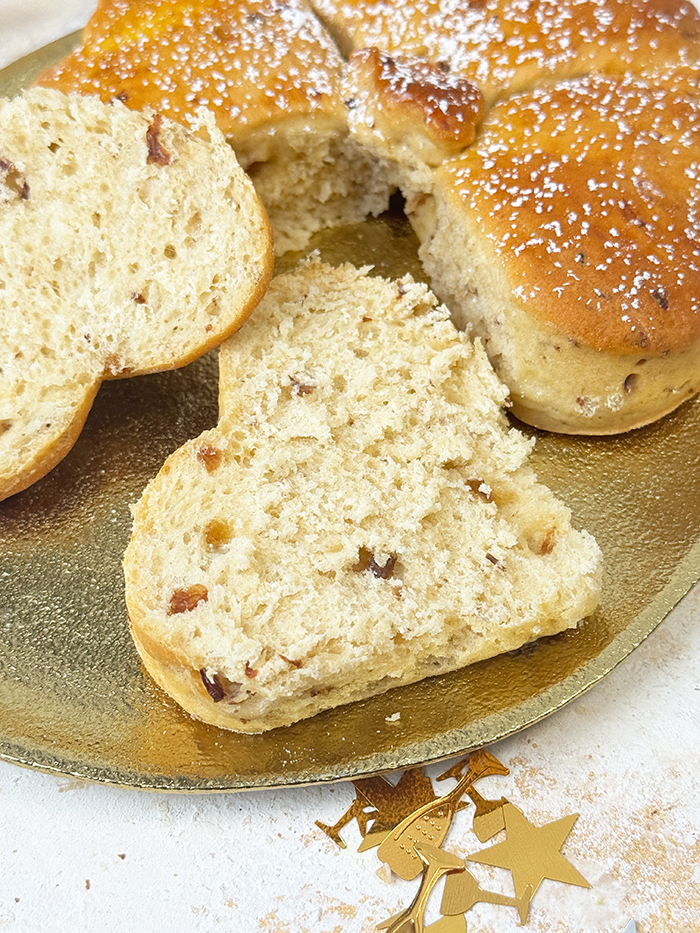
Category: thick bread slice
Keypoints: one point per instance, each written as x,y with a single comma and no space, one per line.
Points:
361,517
271,75
128,244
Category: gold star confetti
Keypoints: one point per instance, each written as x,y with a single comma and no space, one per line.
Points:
532,853
409,823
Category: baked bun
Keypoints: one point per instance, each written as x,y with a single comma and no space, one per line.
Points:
361,517
272,77
507,46
129,244
568,237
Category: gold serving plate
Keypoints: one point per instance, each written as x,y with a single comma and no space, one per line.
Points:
74,698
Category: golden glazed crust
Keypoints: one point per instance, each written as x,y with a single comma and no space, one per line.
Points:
507,46
270,74
567,237
251,63
589,196
408,102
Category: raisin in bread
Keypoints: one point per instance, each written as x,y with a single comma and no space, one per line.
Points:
128,244
271,75
362,516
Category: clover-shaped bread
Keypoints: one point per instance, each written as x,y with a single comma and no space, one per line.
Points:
361,517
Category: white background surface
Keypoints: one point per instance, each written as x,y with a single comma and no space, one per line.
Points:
626,756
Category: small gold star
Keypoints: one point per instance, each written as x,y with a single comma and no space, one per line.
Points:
531,852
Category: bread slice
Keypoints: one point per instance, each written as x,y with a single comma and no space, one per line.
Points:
567,237
128,244
271,75
362,516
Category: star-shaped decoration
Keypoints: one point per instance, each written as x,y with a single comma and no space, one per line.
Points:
532,853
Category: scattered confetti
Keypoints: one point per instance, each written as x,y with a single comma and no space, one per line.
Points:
408,823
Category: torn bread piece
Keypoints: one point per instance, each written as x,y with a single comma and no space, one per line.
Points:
269,72
411,114
362,516
128,244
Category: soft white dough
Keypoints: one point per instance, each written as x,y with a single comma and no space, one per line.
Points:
128,244
362,516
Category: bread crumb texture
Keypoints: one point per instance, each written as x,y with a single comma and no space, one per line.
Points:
361,517
129,244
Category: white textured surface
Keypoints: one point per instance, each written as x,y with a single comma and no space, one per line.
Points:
26,25
626,756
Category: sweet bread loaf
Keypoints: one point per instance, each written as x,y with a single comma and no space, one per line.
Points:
129,244
592,322
567,236
362,516
566,233
272,77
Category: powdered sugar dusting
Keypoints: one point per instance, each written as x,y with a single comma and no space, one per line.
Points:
589,191
248,62
395,97
510,45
